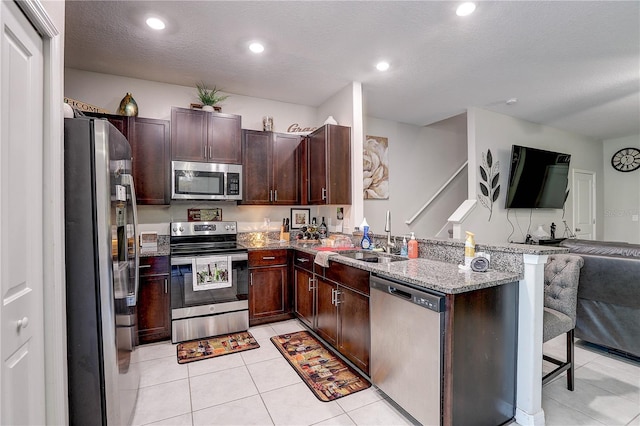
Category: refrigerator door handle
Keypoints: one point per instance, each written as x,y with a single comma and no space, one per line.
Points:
136,251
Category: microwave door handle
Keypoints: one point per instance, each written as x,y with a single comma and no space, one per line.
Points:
136,252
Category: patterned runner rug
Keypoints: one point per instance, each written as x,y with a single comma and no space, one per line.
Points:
326,374
196,350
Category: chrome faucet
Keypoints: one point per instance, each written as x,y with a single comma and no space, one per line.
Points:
387,229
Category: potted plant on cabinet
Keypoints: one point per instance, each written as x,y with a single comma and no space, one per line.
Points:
209,97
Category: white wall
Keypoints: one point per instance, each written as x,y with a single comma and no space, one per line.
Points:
346,108
421,160
621,194
497,132
155,100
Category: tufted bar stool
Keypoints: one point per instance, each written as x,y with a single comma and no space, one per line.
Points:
561,276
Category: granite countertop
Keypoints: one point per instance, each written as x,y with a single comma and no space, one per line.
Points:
163,248
431,274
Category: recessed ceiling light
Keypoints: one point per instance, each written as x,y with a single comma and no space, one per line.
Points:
256,47
156,23
382,66
511,101
465,9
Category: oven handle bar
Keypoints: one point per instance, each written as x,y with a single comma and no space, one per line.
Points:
188,259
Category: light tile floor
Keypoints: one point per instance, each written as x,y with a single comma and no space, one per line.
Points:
258,387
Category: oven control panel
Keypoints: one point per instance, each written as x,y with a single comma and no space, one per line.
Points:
203,228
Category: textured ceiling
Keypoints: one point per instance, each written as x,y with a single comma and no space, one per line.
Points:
572,65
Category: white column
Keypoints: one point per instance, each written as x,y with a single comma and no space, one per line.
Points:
531,308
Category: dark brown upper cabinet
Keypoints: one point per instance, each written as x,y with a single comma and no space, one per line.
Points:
151,152
151,149
271,168
328,174
204,136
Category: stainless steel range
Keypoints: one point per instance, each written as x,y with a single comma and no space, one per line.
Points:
209,280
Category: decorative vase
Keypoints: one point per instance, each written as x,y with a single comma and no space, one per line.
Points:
128,106
207,108
540,233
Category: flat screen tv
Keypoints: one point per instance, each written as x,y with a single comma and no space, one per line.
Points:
537,179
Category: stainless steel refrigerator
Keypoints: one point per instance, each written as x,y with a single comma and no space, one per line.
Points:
101,273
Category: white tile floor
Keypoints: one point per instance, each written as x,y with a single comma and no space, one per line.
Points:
259,387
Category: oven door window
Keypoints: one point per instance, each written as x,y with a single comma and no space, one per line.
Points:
183,294
199,182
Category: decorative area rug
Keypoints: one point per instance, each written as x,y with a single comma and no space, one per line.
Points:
196,350
326,374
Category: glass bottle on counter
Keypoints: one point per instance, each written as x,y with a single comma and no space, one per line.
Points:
322,229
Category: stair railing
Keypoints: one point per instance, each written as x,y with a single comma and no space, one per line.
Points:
438,192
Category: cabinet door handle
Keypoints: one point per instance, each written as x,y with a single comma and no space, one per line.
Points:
275,195
268,257
270,195
166,287
251,279
311,281
338,293
324,193
302,259
333,296
144,266
210,152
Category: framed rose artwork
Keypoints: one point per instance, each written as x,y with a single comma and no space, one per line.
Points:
376,168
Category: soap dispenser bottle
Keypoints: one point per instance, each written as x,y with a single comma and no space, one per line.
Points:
365,243
404,250
413,247
469,249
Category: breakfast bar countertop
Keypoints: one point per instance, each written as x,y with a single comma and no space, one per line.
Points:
430,274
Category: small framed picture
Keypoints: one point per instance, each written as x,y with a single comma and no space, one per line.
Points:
197,215
300,218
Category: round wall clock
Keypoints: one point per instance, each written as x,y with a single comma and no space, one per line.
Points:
626,160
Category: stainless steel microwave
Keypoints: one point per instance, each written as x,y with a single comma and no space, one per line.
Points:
205,181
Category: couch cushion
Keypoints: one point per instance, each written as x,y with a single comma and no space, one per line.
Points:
610,279
604,248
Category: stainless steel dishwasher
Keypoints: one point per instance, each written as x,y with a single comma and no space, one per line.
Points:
406,346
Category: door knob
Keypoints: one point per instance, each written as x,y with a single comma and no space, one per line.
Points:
23,323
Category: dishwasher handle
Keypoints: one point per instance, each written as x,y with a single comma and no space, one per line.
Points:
421,297
397,292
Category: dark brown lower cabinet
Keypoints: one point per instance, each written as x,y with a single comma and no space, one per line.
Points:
480,340
154,318
354,338
327,310
341,309
304,289
268,286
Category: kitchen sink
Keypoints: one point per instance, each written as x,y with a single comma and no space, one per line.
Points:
372,257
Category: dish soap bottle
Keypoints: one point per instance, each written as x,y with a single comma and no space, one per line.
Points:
412,250
469,249
404,250
366,241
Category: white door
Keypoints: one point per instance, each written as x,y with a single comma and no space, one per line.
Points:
584,204
22,383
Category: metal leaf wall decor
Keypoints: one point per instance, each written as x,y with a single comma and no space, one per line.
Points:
489,186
